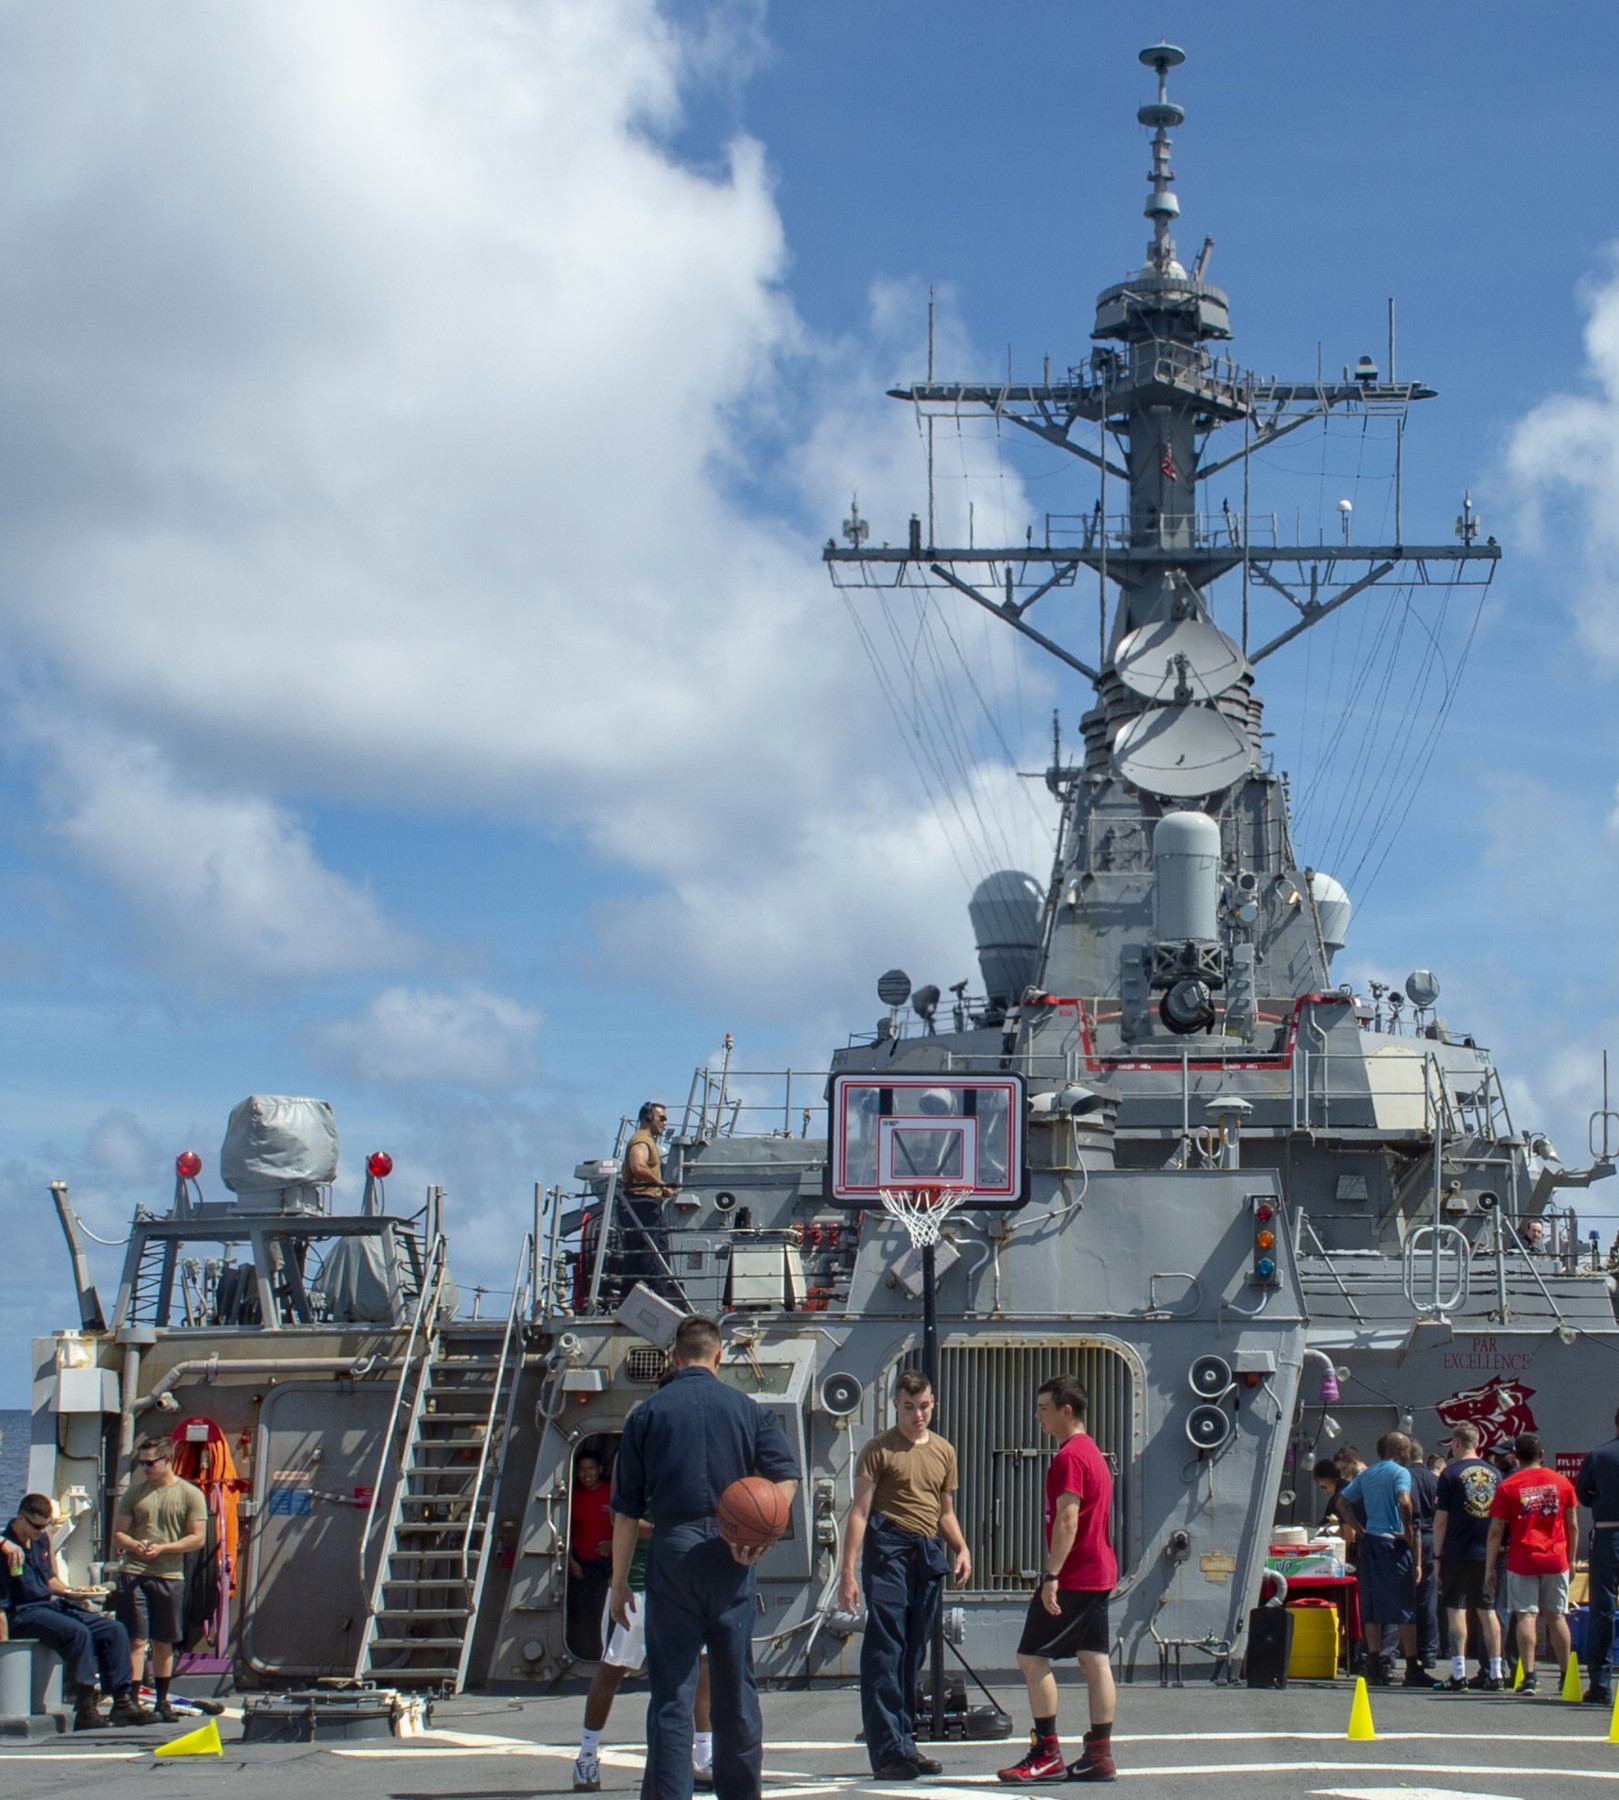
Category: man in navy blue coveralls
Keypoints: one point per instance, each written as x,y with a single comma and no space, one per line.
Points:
682,1448
1597,1486
38,1605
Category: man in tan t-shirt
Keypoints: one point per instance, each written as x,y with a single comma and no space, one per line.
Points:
904,1502
159,1518
643,1192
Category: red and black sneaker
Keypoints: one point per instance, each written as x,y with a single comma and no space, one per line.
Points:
1042,1762
1096,1764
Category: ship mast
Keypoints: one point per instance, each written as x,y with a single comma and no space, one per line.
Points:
1158,398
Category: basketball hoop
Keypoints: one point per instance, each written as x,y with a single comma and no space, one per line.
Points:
923,1209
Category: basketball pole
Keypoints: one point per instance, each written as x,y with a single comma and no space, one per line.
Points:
930,1368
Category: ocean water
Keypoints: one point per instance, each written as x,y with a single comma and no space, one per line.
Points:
13,1459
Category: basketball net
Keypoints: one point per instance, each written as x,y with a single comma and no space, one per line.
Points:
923,1209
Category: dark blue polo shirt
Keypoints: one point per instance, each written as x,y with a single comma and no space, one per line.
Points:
684,1445
1597,1484
32,1582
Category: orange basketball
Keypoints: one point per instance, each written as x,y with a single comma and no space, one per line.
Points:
751,1512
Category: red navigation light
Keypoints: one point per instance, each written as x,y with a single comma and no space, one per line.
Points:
188,1165
1264,1211
379,1163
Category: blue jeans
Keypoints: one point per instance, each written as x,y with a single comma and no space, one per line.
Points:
1599,1622
697,1595
902,1575
86,1642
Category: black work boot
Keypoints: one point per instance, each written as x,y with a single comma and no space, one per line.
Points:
86,1713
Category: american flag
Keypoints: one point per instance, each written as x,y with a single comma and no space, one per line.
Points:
1167,467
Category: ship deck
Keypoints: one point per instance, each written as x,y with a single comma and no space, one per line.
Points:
1190,1743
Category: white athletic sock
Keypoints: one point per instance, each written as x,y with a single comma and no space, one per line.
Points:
1458,1668
589,1742
702,1749
1498,1668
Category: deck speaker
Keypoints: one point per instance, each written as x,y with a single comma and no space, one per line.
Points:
1209,1377
841,1394
1209,1427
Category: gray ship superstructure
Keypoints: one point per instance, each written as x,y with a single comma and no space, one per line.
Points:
1255,1212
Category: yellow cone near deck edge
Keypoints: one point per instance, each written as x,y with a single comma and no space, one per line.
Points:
1613,1725
204,1742
1360,1712
1517,1675
1571,1681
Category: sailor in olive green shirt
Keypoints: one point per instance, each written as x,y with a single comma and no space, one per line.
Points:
160,1518
904,1502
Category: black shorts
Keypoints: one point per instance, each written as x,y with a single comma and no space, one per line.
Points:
1080,1626
1461,1584
148,1608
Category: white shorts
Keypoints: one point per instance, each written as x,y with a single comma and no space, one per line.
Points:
1537,1593
624,1646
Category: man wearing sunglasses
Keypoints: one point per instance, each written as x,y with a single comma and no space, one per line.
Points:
159,1518
39,1604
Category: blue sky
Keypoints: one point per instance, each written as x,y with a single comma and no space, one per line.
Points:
419,426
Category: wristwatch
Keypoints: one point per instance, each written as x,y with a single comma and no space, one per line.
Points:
1049,1577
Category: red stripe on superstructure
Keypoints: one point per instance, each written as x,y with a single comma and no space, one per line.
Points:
1061,1003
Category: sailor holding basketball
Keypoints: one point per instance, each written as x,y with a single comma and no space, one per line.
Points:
682,1448
904,1502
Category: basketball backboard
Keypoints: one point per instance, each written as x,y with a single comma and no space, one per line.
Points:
901,1131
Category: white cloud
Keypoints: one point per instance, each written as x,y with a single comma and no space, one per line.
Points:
411,1036
401,474
1563,457
225,889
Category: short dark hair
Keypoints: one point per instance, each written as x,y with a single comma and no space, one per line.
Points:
648,1108
697,1339
1348,1453
1526,1446
1325,1469
37,1509
1069,1391
156,1446
1414,1451
912,1381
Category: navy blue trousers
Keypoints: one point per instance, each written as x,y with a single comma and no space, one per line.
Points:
697,1596
902,1575
1599,1621
86,1642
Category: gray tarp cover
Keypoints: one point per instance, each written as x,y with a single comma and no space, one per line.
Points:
366,1281
274,1141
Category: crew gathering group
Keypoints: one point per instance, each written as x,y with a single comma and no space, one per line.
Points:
1477,1550
1472,1552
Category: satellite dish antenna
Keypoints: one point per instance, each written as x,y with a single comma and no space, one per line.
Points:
1422,987
1160,659
1180,752
894,988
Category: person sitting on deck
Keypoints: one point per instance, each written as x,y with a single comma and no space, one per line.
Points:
38,1604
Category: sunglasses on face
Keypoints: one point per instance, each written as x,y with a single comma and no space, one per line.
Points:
152,1462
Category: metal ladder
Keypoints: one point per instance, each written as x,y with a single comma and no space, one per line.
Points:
442,1456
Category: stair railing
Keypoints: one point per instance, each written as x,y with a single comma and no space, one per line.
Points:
413,1364
510,1349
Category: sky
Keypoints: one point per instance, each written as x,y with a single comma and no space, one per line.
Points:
418,430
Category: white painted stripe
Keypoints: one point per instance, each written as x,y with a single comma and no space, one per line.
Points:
1408,1793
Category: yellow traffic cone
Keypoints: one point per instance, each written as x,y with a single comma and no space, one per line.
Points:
1613,1724
1517,1675
1360,1712
1571,1680
204,1742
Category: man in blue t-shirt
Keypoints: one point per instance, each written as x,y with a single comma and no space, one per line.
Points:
1461,1532
1597,1486
1389,1564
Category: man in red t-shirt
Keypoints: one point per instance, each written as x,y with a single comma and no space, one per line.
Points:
1534,1513
1068,1612
590,1556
